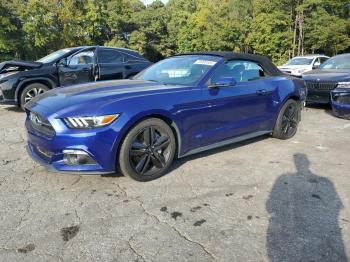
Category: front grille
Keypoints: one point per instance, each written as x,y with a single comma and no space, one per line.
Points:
321,85
343,99
40,124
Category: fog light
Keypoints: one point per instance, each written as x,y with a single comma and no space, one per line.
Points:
77,157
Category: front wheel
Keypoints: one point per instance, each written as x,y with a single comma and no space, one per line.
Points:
31,91
288,120
147,151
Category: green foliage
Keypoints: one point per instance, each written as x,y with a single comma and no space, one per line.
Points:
30,29
326,32
270,33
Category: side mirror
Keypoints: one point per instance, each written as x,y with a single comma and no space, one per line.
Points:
63,62
224,82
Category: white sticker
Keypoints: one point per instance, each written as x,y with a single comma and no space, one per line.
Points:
205,62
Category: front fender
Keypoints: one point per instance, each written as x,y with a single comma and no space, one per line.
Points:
128,122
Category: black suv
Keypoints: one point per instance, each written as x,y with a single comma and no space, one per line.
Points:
20,81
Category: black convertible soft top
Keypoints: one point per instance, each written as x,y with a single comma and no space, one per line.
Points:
263,61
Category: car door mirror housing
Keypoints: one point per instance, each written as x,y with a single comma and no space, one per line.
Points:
223,82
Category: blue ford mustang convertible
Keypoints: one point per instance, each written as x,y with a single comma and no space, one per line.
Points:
179,106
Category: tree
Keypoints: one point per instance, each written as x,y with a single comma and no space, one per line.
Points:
279,29
11,34
270,30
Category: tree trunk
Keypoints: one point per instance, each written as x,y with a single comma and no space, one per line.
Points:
295,34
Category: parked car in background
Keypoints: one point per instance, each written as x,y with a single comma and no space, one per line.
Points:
179,106
301,64
331,84
20,81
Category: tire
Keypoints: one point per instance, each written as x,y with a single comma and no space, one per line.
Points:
287,121
30,92
147,151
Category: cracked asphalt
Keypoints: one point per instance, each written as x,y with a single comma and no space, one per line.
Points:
261,200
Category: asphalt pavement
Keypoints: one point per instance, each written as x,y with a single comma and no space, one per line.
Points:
260,200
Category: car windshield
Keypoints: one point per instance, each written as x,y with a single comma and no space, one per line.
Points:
179,70
300,61
337,62
53,56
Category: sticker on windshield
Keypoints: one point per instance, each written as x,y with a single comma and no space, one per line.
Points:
205,62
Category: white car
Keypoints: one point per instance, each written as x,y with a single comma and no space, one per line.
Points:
301,64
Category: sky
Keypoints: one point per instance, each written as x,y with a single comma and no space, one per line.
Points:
147,2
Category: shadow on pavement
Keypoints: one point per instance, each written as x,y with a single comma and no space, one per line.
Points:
327,108
304,210
13,109
180,161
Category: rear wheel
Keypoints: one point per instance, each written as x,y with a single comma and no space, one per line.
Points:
288,120
147,151
32,91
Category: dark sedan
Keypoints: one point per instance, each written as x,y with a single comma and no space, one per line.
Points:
330,84
20,81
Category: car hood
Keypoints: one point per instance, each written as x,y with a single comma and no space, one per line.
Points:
335,75
90,97
18,65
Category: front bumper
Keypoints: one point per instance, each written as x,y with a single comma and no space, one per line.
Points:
99,144
7,92
318,96
4,101
7,101
51,168
341,103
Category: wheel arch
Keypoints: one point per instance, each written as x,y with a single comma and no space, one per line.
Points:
294,97
24,83
136,120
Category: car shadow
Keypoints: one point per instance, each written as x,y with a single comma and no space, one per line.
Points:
303,224
13,109
178,162
327,108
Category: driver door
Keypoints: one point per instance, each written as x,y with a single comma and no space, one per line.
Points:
78,69
241,109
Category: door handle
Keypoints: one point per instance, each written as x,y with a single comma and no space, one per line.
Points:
85,70
127,67
261,92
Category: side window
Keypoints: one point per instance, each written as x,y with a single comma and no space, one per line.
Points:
134,58
323,59
110,57
240,70
82,58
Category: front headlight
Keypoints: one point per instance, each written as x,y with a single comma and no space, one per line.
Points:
299,71
7,74
343,85
90,121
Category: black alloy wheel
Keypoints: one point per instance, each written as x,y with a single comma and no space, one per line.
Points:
288,120
148,150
